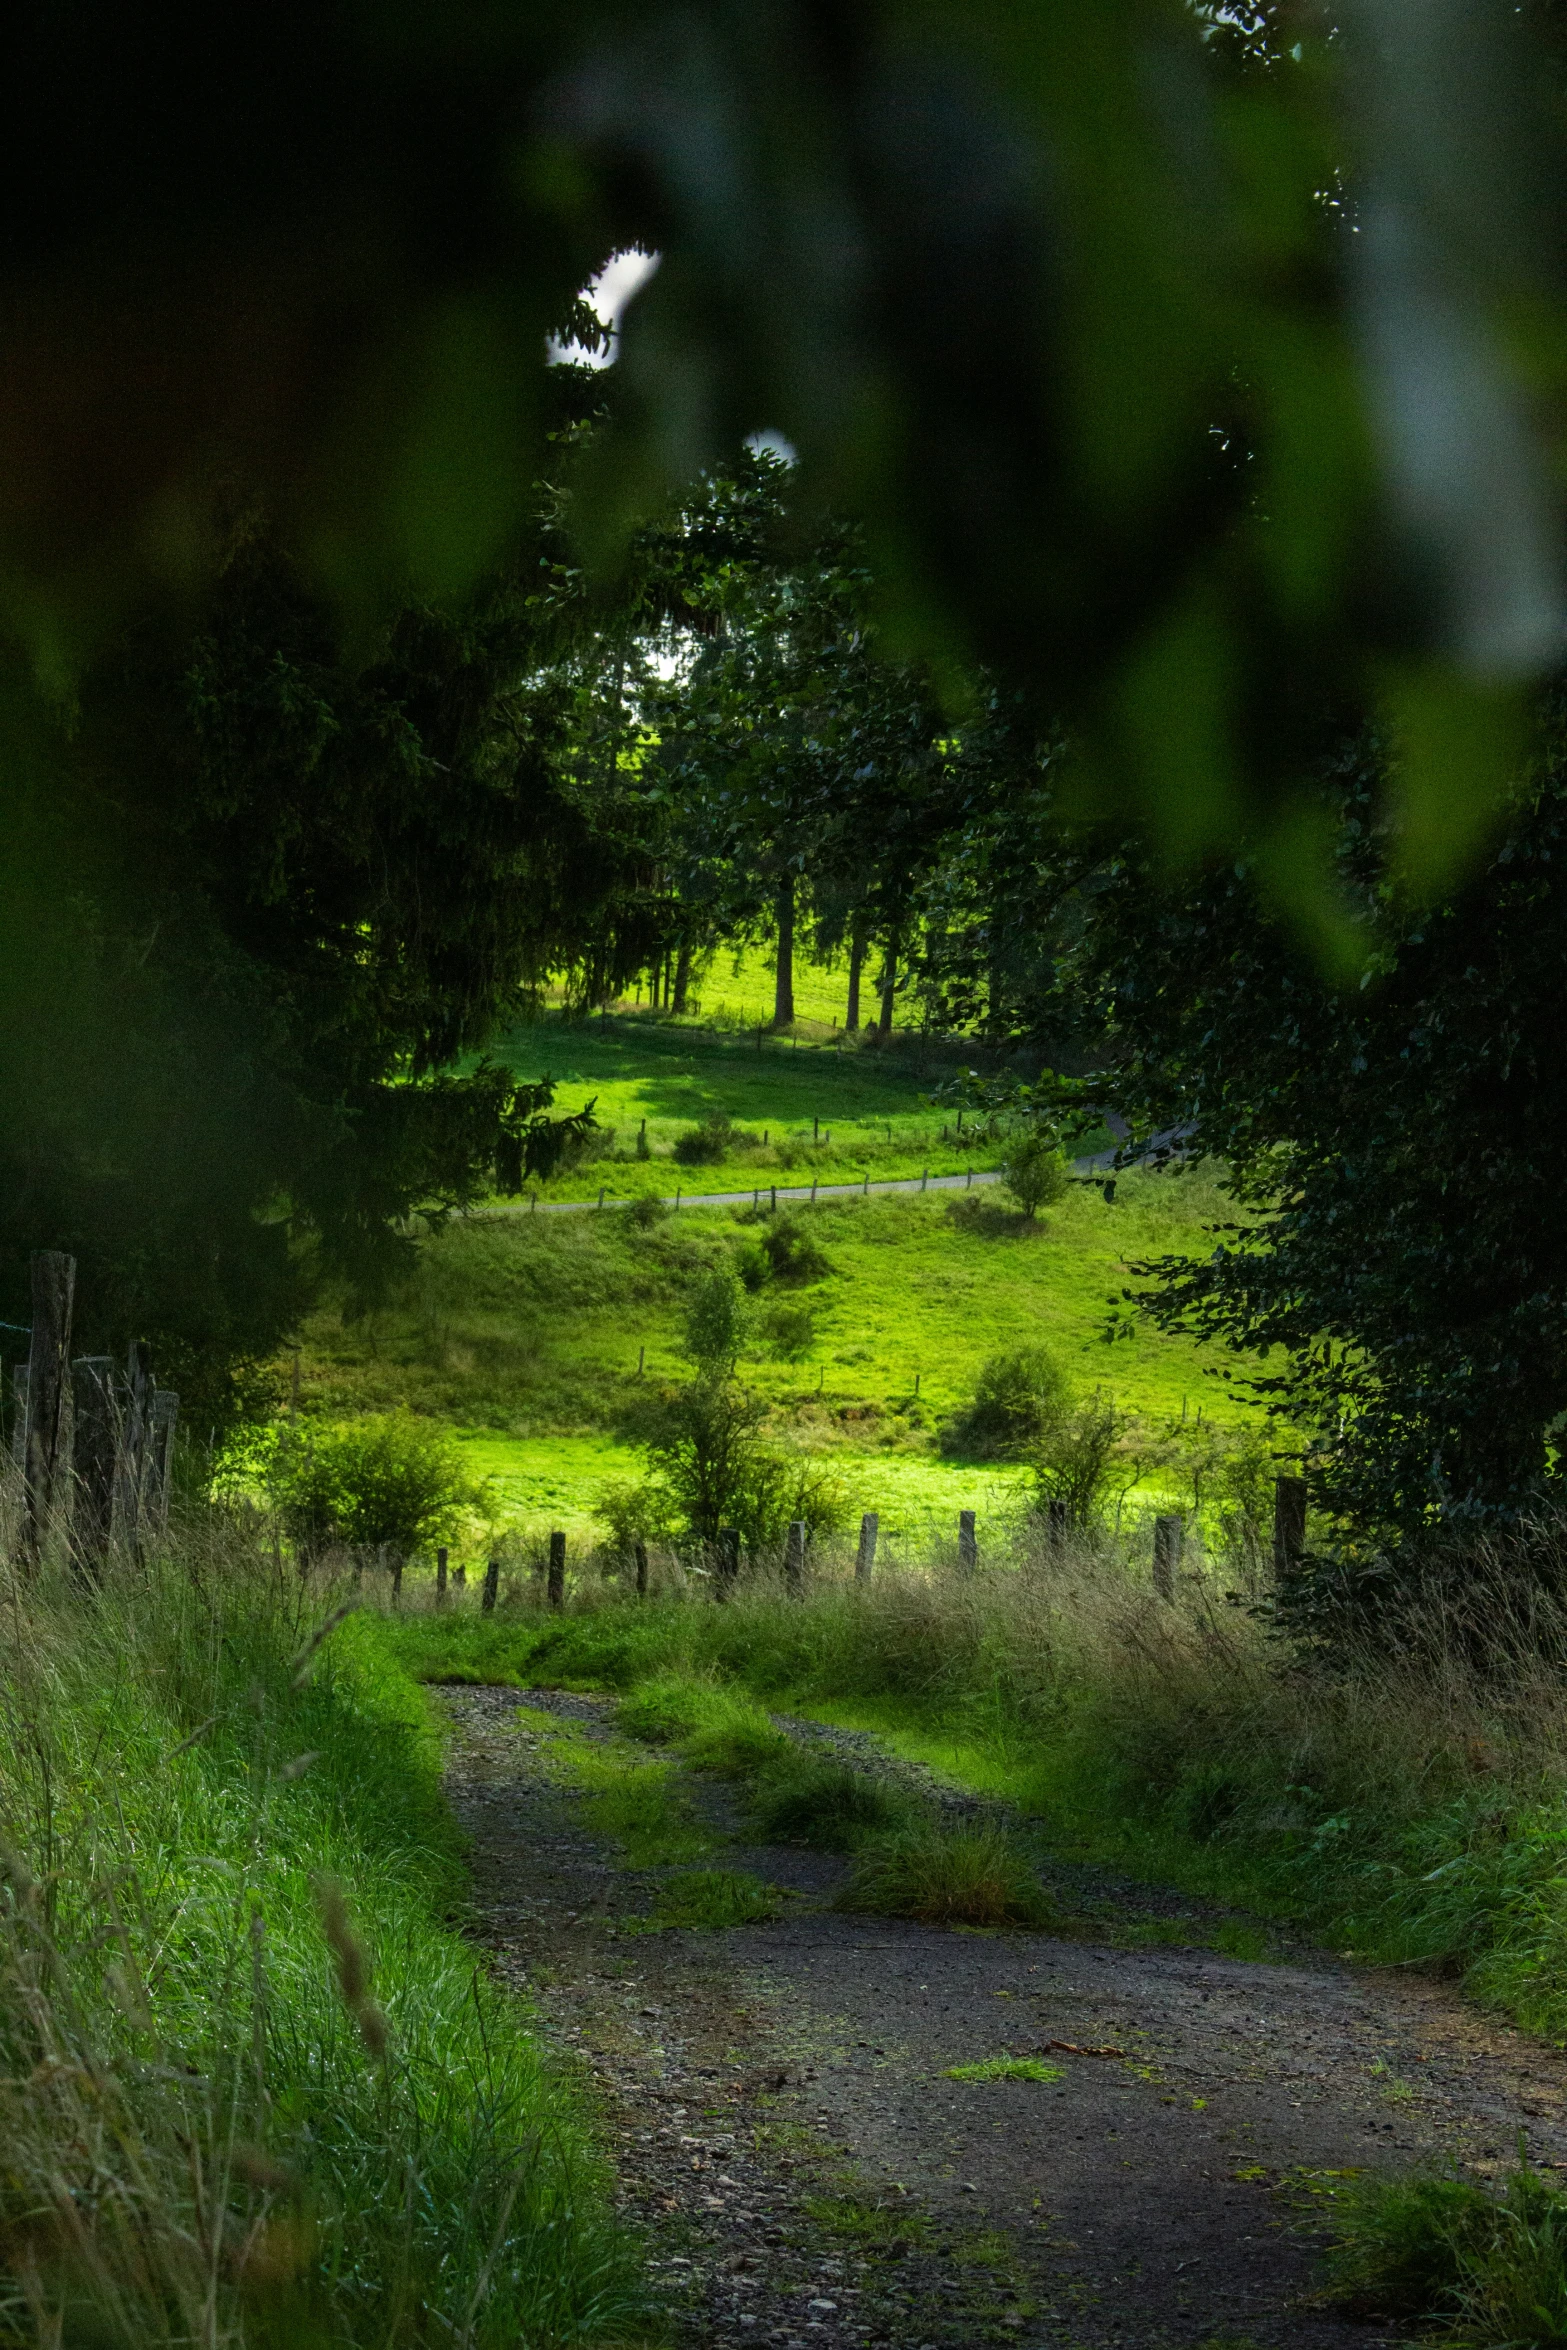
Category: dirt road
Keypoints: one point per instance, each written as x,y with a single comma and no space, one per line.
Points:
780,2101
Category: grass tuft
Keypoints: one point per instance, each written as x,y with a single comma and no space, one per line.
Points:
711,1900
716,1726
1490,2269
1005,2068
829,1805
970,1876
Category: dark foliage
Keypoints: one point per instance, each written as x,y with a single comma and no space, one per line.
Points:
1399,1130
262,904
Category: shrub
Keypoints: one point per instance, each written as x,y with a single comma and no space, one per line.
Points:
1035,1172
389,1478
1016,1398
790,1330
1074,1461
715,1322
969,1876
707,1144
647,1211
634,1512
792,1253
709,1455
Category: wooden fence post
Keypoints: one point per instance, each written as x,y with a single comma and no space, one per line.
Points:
865,1556
1169,1536
47,1467
1289,1523
557,1583
794,1558
130,1458
728,1560
492,1579
459,1578
968,1546
162,1422
96,1408
640,1553
440,1576
19,1415
1058,1520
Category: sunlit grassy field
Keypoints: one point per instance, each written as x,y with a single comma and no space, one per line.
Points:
801,1107
542,1337
554,1480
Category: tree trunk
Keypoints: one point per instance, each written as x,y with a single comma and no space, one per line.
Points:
851,1018
783,995
889,983
682,978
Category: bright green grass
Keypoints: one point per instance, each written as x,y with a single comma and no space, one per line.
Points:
186,1784
555,1481
805,1109
1005,2068
525,1332
708,1900
739,984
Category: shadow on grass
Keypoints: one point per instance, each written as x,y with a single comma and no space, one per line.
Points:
987,1219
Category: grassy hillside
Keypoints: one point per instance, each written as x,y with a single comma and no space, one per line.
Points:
800,1107
526,1331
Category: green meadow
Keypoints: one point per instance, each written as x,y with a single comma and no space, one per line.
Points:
735,988
541,1337
800,1108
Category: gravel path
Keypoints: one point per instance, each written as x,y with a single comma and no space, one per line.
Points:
785,2125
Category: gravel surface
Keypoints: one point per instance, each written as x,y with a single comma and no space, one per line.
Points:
778,2102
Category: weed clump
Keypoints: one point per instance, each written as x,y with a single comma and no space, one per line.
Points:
1491,2269
712,1900
969,1876
829,1805
1005,2068
720,1729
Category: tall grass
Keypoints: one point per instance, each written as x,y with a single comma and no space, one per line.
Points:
1409,1800
253,2090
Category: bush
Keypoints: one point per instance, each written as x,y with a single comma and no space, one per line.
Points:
1074,1461
790,1331
707,1144
389,1478
1016,1398
1035,1172
647,1211
715,1322
792,1253
634,1512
